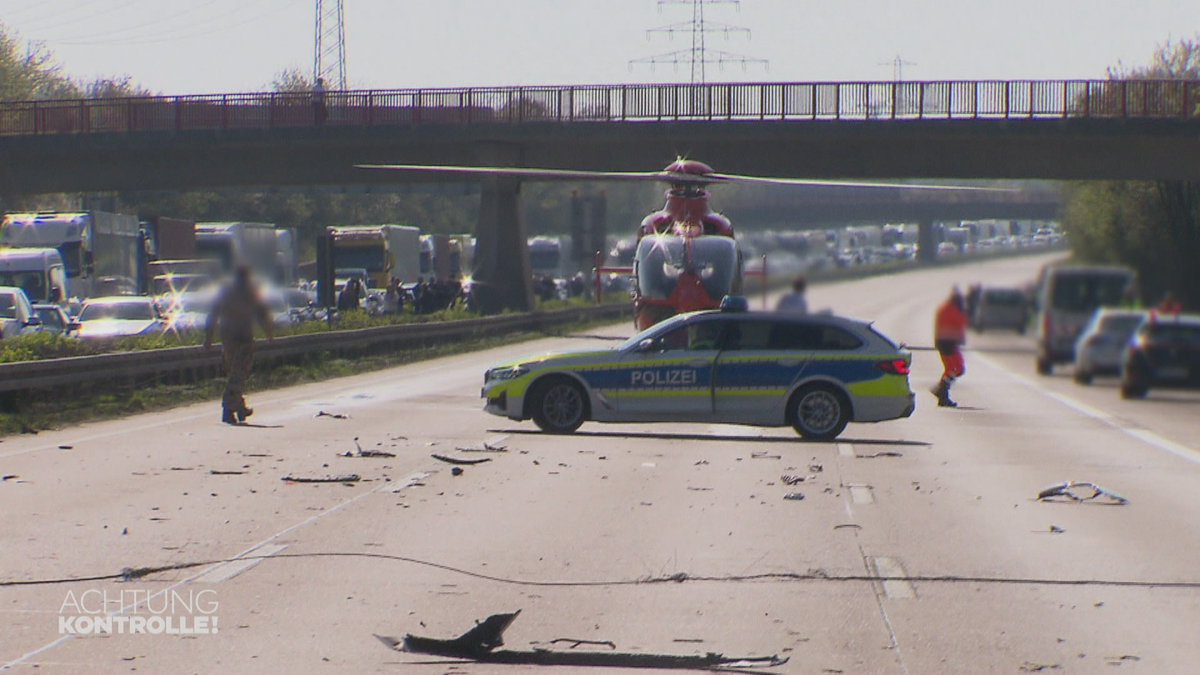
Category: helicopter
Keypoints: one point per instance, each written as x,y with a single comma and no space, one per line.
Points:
686,258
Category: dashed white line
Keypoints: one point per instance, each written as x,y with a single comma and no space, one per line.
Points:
862,494
845,450
896,585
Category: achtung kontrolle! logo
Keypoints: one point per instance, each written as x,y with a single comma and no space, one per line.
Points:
139,611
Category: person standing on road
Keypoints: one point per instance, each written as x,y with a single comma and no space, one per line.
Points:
949,334
795,302
237,309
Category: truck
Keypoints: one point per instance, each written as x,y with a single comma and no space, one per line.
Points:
441,257
287,257
386,252
100,251
37,271
253,244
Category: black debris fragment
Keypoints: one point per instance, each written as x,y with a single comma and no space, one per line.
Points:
789,479
1080,491
456,471
881,453
336,416
359,453
480,643
66,447
816,468
794,496
218,472
460,460
11,476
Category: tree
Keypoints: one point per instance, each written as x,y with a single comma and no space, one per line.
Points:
1152,226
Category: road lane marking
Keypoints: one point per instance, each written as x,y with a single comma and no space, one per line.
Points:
210,568
846,450
231,569
895,585
862,494
408,482
1148,437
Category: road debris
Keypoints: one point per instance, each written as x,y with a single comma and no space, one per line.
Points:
347,478
336,416
703,462
481,642
1054,529
218,472
485,448
1080,491
66,447
456,471
460,460
816,468
575,642
881,453
764,455
1118,660
699,489
365,454
794,496
789,479
11,476
1029,667
855,526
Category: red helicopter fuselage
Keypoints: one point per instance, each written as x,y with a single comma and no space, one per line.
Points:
686,217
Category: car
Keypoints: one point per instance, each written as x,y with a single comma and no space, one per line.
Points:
1163,352
1102,342
815,373
117,316
1066,299
54,319
16,313
187,311
1001,308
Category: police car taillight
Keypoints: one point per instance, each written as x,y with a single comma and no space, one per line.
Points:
894,367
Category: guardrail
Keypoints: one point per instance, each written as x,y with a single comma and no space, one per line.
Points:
1020,99
27,375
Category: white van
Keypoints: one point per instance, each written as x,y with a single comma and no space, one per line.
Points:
37,271
1067,298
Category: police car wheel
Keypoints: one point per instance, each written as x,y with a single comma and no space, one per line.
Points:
819,412
559,406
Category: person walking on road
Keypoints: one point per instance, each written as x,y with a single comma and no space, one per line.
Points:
234,314
795,302
949,334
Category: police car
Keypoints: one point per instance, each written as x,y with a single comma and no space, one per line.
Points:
815,373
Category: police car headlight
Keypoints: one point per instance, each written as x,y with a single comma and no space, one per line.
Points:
501,374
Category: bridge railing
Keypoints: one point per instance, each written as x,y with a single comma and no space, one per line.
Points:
862,101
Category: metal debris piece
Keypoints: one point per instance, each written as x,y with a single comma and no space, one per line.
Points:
480,643
881,453
794,496
855,526
1054,529
485,448
789,479
218,472
1080,491
459,460
816,468
1029,667
336,416
365,454
347,478
764,455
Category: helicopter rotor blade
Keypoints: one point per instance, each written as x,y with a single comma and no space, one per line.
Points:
514,172
806,182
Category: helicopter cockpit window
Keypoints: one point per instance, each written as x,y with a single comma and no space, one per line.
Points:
661,261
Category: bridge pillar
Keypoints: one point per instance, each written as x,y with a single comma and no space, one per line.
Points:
502,275
926,242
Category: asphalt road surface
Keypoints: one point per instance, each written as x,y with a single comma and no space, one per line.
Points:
979,574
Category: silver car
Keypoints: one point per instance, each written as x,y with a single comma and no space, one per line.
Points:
16,313
1099,348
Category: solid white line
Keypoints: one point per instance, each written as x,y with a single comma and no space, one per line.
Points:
210,568
235,567
1148,437
846,450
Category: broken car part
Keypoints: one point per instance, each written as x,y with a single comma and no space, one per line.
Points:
1078,491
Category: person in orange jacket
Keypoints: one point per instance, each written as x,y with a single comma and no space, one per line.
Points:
949,333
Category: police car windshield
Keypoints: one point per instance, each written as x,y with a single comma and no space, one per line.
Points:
656,329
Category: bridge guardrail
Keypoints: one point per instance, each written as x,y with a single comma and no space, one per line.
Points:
26,375
992,99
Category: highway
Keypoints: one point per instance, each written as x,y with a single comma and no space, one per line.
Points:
981,576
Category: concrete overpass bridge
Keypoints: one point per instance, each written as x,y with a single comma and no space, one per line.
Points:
862,130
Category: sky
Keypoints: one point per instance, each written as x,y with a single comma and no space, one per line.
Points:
215,46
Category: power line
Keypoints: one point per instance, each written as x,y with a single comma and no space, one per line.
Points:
699,56
155,22
174,35
897,65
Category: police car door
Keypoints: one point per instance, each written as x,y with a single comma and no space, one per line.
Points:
673,379
759,361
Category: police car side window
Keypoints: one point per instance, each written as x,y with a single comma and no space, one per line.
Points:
697,336
747,336
836,339
786,335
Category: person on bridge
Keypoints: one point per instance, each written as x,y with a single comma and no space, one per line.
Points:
795,302
949,333
237,309
318,102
